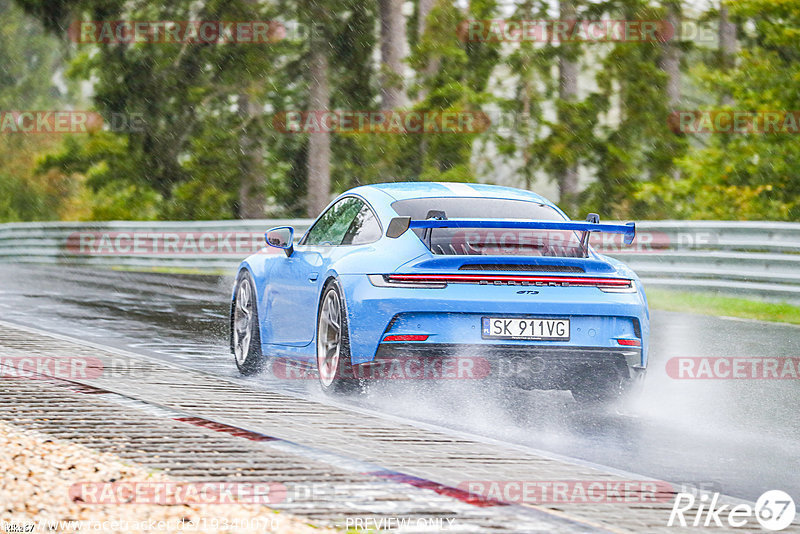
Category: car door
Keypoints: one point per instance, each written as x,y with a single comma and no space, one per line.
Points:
296,281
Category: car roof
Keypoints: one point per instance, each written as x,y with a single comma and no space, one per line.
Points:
410,190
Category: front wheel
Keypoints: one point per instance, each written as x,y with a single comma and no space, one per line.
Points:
336,373
245,335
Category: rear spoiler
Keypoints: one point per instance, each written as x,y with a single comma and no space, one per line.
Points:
399,225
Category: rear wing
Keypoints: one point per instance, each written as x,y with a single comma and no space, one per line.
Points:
399,225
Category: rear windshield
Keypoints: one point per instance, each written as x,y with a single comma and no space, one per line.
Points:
490,241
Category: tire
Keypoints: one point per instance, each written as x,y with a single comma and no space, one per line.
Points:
245,332
336,375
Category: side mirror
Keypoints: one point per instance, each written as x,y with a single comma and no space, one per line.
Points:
281,237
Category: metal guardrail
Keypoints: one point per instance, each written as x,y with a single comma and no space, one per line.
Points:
193,245
755,258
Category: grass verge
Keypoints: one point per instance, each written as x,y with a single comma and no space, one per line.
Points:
714,304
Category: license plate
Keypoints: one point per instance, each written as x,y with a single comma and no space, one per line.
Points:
527,328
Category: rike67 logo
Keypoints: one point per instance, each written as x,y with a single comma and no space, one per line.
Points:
774,510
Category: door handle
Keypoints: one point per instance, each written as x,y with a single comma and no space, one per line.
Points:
312,277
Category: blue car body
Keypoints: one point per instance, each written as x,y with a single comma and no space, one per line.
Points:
288,290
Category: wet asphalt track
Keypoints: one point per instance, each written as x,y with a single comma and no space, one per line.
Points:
738,437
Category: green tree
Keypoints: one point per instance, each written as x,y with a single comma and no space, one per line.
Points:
182,91
459,83
29,62
744,176
634,144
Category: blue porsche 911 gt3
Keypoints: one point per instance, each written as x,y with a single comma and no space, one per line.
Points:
437,271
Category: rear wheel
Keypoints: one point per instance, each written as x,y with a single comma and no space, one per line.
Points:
333,343
245,335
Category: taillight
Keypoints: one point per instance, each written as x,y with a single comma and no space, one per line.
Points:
630,342
406,337
380,280
441,280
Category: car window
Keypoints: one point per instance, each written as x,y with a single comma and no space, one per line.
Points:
491,241
331,228
364,228
476,208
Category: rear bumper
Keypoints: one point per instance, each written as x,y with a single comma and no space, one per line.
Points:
452,317
529,367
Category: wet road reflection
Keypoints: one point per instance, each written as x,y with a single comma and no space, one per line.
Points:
741,437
